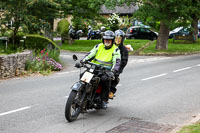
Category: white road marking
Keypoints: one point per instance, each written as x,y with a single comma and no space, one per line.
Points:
74,71
182,69
155,76
63,73
16,110
148,59
198,65
66,56
68,72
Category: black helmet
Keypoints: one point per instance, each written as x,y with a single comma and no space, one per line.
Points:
108,35
121,34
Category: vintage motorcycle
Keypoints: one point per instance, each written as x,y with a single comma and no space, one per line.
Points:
86,92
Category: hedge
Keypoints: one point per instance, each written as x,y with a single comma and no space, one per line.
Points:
37,42
63,27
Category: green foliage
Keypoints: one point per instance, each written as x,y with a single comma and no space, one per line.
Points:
43,62
63,27
126,22
172,12
8,33
83,12
34,16
78,23
10,50
37,42
114,22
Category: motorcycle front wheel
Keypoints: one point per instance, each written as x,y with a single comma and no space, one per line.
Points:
73,106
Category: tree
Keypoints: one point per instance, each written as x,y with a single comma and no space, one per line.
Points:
194,16
82,8
13,14
33,14
44,12
169,13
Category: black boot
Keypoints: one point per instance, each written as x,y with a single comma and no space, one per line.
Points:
104,105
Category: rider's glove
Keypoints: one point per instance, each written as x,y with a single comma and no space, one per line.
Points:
111,75
78,65
83,61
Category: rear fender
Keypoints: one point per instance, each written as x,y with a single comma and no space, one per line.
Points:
77,86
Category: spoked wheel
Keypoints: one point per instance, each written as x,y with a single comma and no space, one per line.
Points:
73,105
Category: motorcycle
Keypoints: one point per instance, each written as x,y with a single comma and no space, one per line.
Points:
96,34
85,93
75,34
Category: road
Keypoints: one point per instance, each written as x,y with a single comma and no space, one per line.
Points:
154,94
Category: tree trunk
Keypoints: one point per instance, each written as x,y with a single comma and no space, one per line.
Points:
162,41
195,28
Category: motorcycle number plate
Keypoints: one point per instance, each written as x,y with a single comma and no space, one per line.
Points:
87,77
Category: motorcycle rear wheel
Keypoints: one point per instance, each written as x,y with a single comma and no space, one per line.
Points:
73,106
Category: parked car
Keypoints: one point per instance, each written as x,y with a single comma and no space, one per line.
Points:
179,31
138,32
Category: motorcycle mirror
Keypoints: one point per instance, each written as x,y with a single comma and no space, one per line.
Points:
75,57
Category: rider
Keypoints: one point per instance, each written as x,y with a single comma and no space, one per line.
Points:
89,32
119,42
108,54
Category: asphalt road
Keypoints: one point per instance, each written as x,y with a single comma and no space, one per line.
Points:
161,90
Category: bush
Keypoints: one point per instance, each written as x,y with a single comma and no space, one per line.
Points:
114,22
37,42
63,27
44,62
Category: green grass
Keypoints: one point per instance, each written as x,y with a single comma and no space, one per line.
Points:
87,45
9,50
195,128
179,47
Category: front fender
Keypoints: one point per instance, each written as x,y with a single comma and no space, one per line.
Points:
77,86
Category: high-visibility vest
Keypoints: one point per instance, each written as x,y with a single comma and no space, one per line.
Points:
104,56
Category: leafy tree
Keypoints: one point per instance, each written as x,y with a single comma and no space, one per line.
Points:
43,13
14,13
35,15
168,12
194,15
84,10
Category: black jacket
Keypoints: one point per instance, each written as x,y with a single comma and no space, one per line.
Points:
124,57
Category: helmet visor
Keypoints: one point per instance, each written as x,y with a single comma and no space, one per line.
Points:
118,40
108,37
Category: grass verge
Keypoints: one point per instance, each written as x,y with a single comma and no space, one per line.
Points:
87,45
194,128
177,48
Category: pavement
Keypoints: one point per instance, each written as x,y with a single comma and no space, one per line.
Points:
160,95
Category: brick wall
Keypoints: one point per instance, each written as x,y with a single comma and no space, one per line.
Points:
13,65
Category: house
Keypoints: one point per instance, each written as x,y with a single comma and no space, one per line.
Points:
121,10
124,12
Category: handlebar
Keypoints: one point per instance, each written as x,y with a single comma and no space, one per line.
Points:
97,65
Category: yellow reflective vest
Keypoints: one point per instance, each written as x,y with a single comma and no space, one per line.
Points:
107,57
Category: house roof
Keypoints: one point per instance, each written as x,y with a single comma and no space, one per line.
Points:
123,10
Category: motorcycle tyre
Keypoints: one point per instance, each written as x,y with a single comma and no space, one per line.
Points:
69,103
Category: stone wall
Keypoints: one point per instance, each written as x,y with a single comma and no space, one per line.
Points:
13,65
